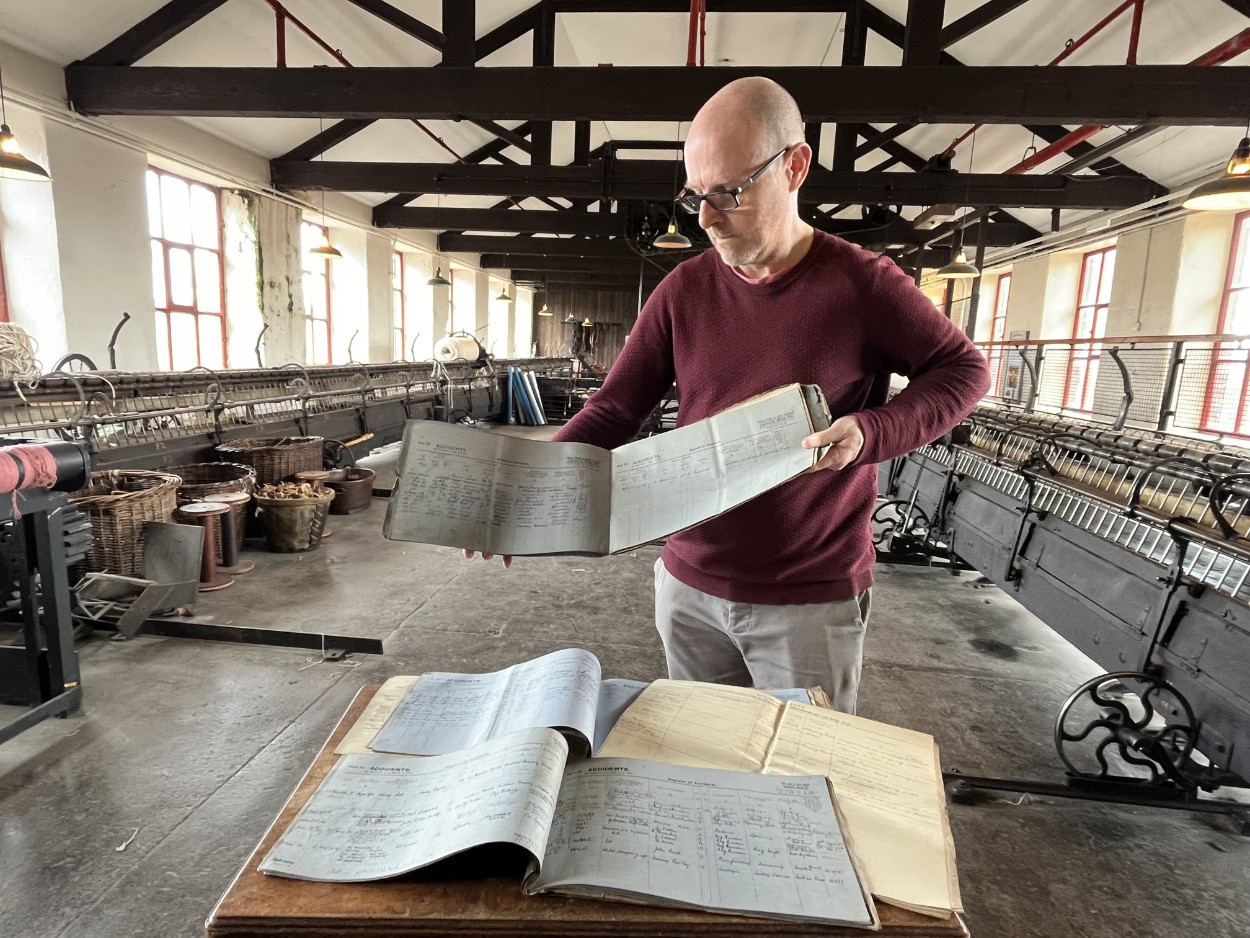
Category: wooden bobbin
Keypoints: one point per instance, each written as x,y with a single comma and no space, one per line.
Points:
229,534
203,513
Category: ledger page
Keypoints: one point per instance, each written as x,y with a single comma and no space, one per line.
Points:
377,712
674,480
446,711
702,837
460,487
885,777
375,816
692,723
889,789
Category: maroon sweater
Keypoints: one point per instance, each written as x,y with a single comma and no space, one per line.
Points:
840,318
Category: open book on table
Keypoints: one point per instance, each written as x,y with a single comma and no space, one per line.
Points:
887,779
461,487
442,712
622,829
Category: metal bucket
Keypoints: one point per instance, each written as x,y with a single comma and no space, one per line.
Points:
354,486
294,524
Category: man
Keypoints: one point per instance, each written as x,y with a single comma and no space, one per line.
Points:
776,592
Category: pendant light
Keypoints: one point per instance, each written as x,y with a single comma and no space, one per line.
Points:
323,248
13,165
438,280
545,311
960,268
503,296
673,240
1231,192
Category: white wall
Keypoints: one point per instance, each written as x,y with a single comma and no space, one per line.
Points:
100,210
32,266
350,296
241,250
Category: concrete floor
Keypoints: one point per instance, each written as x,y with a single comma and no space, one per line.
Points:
193,746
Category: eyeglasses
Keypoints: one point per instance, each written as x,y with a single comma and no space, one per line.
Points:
723,200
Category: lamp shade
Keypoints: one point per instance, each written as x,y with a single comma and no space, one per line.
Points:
324,248
13,165
503,296
588,323
1230,192
438,280
671,239
959,269
545,311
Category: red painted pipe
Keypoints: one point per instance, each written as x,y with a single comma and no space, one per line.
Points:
1226,50
281,21
1067,51
1134,34
692,33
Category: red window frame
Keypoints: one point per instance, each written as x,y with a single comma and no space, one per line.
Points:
998,330
166,247
1231,359
399,310
312,321
1089,321
4,294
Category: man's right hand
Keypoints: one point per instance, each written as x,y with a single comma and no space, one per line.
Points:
507,558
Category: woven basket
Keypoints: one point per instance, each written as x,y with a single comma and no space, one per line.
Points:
202,481
275,459
118,502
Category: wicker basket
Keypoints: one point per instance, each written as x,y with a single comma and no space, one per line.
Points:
275,459
202,482
118,502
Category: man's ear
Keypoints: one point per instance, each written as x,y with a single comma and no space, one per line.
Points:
797,165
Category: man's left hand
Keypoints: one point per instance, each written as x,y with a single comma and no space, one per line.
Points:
844,439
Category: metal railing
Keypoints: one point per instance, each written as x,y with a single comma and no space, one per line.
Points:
1161,383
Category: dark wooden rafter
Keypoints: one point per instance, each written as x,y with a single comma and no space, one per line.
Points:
622,265
1241,6
604,224
652,179
876,139
459,26
508,32
327,139
1176,95
152,32
544,57
1108,167
976,19
485,152
511,137
854,47
922,34
622,281
997,234
402,21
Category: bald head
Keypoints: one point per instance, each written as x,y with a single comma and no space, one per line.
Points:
757,109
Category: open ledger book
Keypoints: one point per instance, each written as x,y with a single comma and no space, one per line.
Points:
506,495
622,829
443,712
887,779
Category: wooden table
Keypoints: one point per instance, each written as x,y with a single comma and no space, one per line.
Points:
454,902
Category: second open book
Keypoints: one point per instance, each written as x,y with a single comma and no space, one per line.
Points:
461,487
887,779
627,829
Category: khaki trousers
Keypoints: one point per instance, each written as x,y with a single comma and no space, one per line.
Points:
707,638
